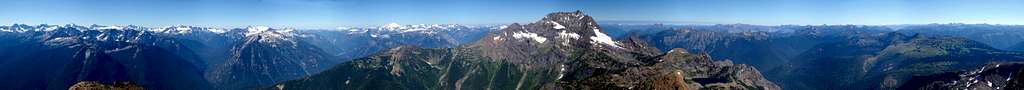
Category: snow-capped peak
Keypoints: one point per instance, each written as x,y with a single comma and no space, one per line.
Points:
500,27
183,28
343,28
178,29
51,28
266,34
216,30
109,27
422,28
392,25
257,28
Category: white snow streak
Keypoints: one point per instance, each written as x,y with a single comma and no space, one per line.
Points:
561,70
533,36
217,30
557,26
110,27
602,38
566,36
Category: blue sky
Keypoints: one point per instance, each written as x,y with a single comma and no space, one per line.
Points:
334,13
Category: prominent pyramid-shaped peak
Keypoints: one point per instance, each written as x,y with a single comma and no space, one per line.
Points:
560,28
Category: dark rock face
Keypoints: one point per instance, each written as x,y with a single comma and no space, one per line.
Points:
565,50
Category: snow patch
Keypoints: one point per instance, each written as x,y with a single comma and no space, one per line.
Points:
343,28
61,41
51,28
183,28
392,25
119,49
110,27
603,39
413,30
561,71
1008,78
557,26
355,30
158,29
502,28
281,87
286,31
674,50
566,36
989,83
217,30
102,37
533,36
258,28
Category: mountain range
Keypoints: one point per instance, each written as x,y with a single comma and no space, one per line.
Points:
562,50
186,57
836,57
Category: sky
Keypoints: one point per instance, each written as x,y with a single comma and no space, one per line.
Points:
335,13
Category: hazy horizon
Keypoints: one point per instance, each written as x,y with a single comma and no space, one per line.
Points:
345,13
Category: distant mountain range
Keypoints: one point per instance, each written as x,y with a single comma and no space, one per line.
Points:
185,57
998,36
